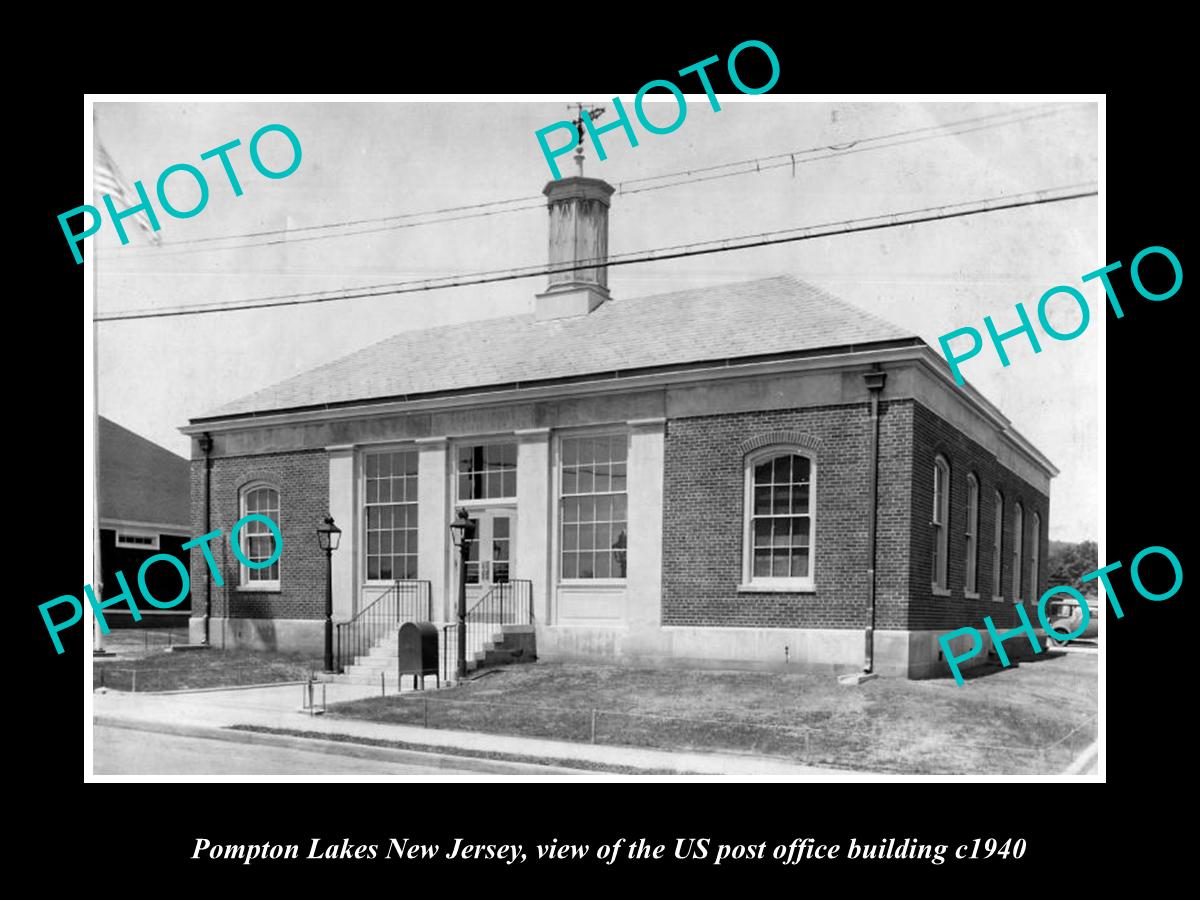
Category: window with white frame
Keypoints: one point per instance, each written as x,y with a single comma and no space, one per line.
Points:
257,541
1035,556
972,582
998,548
593,506
1018,551
779,519
487,471
390,513
137,540
941,524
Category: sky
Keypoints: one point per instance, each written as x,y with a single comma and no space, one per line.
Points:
363,160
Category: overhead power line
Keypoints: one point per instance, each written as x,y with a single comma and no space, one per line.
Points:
632,186
783,160
723,245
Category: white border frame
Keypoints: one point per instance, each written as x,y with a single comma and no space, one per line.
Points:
87,635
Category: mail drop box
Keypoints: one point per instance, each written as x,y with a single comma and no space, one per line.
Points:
417,646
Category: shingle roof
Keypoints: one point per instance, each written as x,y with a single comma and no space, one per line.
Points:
752,318
139,481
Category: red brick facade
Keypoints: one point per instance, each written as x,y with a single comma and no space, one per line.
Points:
704,483
303,482
932,435
703,516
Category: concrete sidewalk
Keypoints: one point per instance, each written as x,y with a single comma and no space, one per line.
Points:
280,707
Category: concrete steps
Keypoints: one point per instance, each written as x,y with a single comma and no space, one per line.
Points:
491,650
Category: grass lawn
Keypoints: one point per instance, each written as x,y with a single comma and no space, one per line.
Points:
1002,721
174,671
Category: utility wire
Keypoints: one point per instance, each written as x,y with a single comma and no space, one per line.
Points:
483,210
723,245
755,166
1011,117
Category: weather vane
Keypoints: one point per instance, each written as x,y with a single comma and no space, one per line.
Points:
593,114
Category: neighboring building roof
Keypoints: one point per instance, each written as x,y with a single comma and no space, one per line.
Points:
139,481
749,319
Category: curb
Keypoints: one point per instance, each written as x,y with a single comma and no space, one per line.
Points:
207,690
1083,760
445,760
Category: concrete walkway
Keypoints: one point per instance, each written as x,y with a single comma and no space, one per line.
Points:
280,707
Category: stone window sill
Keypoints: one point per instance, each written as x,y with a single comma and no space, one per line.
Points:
940,592
783,587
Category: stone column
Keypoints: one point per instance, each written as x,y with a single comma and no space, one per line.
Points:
643,604
534,516
433,522
343,507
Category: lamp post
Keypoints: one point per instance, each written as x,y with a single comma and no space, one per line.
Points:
328,536
463,532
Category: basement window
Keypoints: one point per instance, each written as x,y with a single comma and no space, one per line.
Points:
137,540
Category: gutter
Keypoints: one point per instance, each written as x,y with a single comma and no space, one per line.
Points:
206,445
875,380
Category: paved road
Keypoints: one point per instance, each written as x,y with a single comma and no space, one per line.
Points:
124,751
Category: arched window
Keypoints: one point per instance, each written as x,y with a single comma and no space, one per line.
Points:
997,549
780,495
1035,556
972,583
257,542
1018,551
941,524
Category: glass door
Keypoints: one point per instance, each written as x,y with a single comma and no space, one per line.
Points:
491,556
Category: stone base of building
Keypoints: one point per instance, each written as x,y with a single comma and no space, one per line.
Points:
281,635
905,654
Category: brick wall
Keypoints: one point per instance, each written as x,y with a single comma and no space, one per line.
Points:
931,436
703,520
303,482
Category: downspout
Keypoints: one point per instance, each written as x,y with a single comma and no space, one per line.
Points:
206,445
874,380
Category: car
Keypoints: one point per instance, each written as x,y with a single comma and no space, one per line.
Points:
1065,615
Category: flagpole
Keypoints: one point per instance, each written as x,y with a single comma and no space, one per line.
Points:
98,648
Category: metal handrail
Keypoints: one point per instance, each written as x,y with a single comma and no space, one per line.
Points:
507,603
404,601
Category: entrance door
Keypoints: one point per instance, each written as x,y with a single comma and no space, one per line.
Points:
491,556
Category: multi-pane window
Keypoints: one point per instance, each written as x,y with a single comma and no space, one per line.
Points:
997,548
391,515
780,518
487,471
972,585
594,506
501,548
1018,551
258,543
1035,555
135,540
941,522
